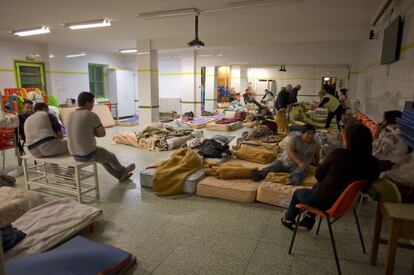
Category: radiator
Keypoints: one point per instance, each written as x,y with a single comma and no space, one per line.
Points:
170,105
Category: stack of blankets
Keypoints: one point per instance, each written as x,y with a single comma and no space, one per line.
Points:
407,125
156,137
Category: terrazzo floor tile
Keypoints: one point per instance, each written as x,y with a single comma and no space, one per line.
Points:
197,235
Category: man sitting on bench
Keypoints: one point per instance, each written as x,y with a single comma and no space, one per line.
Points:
82,127
44,137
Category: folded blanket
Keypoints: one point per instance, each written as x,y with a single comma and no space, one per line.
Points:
284,178
50,224
170,175
228,171
256,151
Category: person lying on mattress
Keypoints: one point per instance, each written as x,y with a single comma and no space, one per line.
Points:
43,132
83,126
339,169
302,152
181,122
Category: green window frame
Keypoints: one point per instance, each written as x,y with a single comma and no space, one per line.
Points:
30,74
97,84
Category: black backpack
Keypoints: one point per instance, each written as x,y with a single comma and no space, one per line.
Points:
211,148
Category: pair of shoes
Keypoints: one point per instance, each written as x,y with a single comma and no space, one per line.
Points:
306,223
257,175
127,172
287,223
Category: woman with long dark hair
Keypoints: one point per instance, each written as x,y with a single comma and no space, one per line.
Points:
339,169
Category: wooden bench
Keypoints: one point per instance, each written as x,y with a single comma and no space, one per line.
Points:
61,174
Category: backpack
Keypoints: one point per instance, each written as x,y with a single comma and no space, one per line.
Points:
211,148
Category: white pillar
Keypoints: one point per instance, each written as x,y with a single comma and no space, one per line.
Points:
243,79
188,97
148,96
235,78
197,76
211,88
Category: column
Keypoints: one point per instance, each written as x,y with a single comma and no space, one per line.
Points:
197,76
235,78
188,73
211,88
243,79
148,97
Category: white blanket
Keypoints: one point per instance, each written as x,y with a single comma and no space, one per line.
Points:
50,224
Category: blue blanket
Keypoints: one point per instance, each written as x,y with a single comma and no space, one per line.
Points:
77,256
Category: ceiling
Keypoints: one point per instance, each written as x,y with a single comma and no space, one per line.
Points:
308,20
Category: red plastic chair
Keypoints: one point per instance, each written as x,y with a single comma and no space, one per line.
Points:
342,205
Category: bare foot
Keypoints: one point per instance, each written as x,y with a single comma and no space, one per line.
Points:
124,177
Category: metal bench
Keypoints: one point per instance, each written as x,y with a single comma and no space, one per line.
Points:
61,174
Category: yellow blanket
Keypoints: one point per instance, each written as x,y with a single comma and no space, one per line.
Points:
281,121
228,171
283,178
170,175
256,151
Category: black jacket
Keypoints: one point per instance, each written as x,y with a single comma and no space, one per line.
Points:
341,168
282,100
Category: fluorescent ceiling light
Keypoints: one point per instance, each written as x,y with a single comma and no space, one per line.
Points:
89,24
128,50
75,55
253,3
168,13
35,31
142,53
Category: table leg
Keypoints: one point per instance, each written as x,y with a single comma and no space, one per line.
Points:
95,177
392,247
26,175
78,184
377,234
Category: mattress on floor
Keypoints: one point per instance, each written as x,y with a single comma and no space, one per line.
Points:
102,111
77,256
51,224
190,183
225,127
241,190
276,193
200,123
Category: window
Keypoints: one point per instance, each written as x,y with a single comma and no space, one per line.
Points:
97,79
30,74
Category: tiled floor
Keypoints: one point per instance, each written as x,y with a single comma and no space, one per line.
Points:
196,235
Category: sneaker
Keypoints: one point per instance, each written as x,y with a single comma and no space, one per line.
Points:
257,175
287,223
306,223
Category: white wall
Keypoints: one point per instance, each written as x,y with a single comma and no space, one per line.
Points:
65,77
10,51
170,80
303,60
386,87
69,76
309,77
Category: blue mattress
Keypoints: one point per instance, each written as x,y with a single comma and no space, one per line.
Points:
77,256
